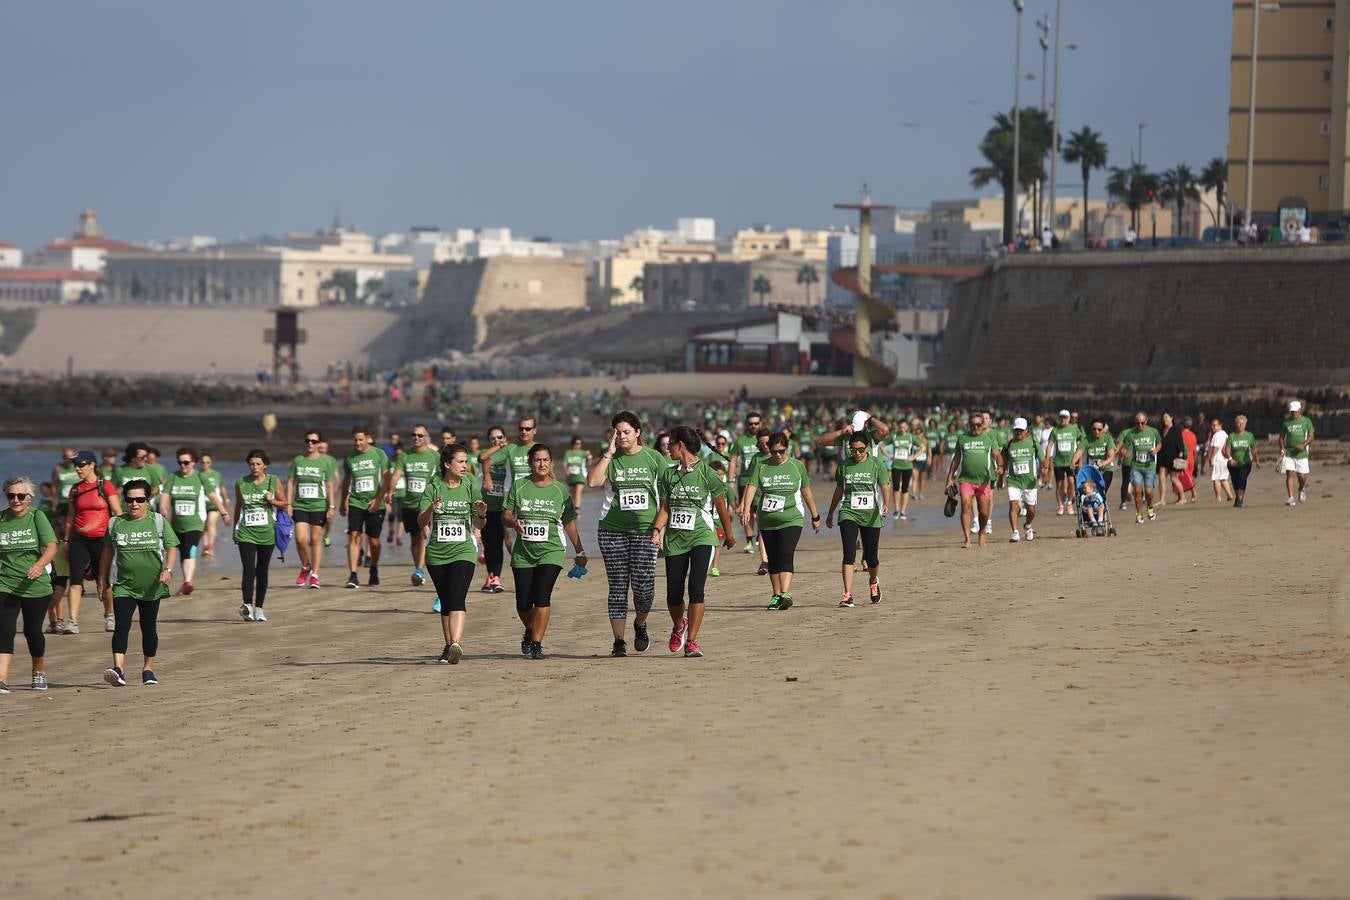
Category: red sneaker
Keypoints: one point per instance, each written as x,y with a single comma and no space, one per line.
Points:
875,590
185,589
692,648
314,581
303,578
677,636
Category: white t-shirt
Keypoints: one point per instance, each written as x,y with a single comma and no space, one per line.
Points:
1218,440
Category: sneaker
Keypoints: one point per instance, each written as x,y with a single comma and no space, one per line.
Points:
185,589
259,615
55,626
1123,506
456,653
1302,496
525,643
1152,514
775,602
436,606
692,649
536,650
71,627
875,590
620,648
245,612
1031,534
1291,502
314,581
398,542
109,623
713,573
327,542
1059,510
763,569
114,677
1237,504
148,677
39,681
749,546
677,636
497,584
303,578
1015,537
784,601
974,527
641,640
419,577
445,655
989,527
374,579
4,688
1138,519
487,586
902,517
847,602
209,552
353,581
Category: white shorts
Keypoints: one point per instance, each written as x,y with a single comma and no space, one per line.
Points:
1218,470
1025,495
1289,464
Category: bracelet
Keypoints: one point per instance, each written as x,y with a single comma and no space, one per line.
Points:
815,518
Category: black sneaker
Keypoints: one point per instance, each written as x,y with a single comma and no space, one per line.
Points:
525,643
148,677
114,677
374,579
763,569
445,655
640,639
353,581
620,648
4,688
536,650
784,601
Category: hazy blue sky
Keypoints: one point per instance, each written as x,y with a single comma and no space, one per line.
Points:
574,119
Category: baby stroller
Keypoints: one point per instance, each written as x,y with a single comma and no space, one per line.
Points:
1085,524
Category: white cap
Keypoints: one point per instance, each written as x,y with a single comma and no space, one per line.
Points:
1295,406
1063,412
860,420
1019,424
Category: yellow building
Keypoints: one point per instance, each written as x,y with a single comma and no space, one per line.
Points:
755,243
619,271
1302,88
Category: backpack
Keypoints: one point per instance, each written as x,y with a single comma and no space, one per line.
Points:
76,493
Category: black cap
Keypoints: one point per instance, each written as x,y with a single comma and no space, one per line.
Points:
85,456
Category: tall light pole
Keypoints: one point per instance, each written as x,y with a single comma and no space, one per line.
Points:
1054,128
1043,23
1142,126
1017,126
1257,6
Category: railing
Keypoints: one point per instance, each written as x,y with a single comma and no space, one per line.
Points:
903,258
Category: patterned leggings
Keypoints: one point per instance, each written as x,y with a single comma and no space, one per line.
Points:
630,562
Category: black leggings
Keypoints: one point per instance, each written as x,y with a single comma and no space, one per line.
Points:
694,564
1107,478
256,558
1238,475
849,531
534,586
85,554
452,584
34,611
123,609
1125,485
779,546
494,538
900,479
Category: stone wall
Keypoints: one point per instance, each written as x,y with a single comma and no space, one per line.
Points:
460,295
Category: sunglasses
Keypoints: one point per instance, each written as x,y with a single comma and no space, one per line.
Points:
858,449
185,462
86,462
419,437
778,451
311,440
13,497
138,499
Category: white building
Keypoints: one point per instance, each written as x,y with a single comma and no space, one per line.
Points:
695,229
48,285
11,255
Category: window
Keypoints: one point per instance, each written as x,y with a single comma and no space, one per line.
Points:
1328,24
1326,76
1324,128
1323,181
300,293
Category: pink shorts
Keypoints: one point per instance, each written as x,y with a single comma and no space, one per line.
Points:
978,491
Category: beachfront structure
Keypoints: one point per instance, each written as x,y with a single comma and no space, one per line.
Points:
48,285
730,284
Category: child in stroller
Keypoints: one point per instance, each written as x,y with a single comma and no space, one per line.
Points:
1094,514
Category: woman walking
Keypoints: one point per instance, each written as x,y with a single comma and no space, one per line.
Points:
93,503
453,510
1171,460
257,497
690,492
784,491
27,545
312,487
1242,455
183,503
539,510
215,483
145,548
862,484
628,472
1218,460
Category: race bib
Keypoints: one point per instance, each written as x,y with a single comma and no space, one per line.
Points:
1144,456
494,491
902,453
682,519
772,503
364,485
417,485
535,532
1021,467
254,517
862,501
574,470
307,490
633,499
451,533
184,508
1064,444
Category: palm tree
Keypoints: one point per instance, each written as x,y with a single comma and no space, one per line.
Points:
997,150
761,286
1134,186
1085,147
638,285
1179,185
1215,178
807,276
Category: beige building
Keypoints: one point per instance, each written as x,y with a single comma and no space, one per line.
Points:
635,254
756,243
1302,90
459,296
731,284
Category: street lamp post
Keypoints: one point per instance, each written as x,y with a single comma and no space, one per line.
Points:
1043,23
1142,126
1257,6
1054,129
1017,123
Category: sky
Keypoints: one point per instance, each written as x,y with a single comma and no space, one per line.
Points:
583,119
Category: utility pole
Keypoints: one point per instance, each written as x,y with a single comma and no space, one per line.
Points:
1017,129
1054,134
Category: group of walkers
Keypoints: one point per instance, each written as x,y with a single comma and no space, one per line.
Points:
674,496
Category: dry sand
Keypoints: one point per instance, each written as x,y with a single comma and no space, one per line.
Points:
1164,713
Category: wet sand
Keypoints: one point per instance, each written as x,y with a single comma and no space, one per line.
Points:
1163,713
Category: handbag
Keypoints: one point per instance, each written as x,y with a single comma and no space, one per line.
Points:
1179,464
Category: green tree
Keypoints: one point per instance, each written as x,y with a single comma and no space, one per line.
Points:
1085,147
612,293
807,276
1134,186
761,286
997,150
344,282
1215,178
1178,185
638,285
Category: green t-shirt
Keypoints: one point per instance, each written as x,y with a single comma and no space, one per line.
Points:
1023,459
418,470
862,481
451,537
631,495
22,540
542,513
778,493
1296,431
903,449
691,498
949,441
746,446
1098,449
122,474
509,464
366,473
576,463
977,457
1140,443
311,477
187,502
140,549
1063,443
159,475
66,478
257,518
1240,444
213,480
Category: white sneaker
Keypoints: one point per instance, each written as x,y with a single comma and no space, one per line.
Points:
989,527
245,612
1302,496
974,525
1015,538
1031,535
1022,511
1291,502
109,623
259,615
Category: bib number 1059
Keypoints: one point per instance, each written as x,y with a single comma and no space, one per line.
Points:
534,532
